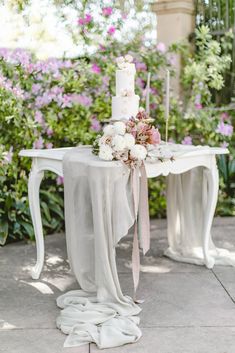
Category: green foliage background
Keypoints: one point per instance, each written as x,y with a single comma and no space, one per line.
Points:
70,124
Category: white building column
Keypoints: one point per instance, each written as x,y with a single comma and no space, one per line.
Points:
175,21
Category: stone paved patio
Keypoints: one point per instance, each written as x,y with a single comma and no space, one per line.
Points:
187,308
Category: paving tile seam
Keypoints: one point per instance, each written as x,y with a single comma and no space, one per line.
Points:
222,285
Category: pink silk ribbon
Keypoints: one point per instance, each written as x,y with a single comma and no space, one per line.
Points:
142,224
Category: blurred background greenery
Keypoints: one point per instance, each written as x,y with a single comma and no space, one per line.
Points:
53,102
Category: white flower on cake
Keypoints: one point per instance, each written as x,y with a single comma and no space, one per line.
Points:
120,60
126,93
125,62
118,143
109,130
119,128
106,153
129,58
129,140
138,152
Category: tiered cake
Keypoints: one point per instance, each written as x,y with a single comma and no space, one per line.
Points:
126,103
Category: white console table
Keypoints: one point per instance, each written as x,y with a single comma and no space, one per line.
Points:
51,160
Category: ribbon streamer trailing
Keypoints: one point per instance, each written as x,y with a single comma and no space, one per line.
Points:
142,224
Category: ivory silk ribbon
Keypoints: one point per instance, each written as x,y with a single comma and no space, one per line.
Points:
142,223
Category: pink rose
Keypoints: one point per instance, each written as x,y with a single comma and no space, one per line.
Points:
155,137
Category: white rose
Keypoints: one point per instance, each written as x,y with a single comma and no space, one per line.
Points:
119,128
109,130
106,153
104,140
129,58
122,66
123,92
118,143
129,140
138,152
120,60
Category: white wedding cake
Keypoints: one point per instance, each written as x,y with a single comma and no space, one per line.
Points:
126,103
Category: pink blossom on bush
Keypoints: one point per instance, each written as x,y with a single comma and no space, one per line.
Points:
38,144
36,87
140,82
105,80
153,106
102,47
8,156
224,116
140,66
172,59
95,124
82,99
187,140
198,106
107,11
88,18
224,144
60,180
49,132
81,21
161,47
224,129
49,145
95,68
111,30
38,117
66,101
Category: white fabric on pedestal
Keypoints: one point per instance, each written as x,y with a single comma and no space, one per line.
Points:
98,213
186,205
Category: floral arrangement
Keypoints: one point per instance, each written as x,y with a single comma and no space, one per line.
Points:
128,141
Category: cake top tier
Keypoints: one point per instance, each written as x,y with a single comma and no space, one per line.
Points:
125,76
126,63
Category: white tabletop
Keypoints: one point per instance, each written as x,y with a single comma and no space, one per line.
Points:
178,151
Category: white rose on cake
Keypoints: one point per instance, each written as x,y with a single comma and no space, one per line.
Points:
120,60
109,130
138,152
119,128
118,143
129,58
106,153
129,140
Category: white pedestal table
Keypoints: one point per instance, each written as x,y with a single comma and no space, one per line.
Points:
191,157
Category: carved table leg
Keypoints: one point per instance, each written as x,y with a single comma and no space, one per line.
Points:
213,187
35,179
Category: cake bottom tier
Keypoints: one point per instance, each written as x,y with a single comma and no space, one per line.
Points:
125,107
